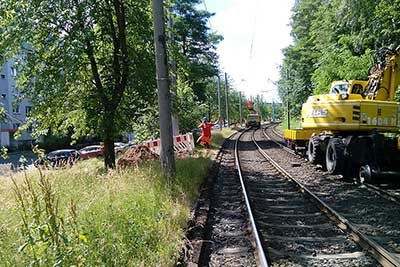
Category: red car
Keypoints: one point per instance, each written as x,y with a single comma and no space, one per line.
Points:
91,152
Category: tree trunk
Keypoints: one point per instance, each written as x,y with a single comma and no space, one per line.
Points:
108,139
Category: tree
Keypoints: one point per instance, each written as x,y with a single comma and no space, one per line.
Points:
300,58
193,50
87,65
387,23
196,46
334,40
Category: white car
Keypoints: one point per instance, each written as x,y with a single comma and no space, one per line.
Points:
120,148
216,126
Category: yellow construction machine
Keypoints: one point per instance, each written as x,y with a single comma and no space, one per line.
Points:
354,130
253,119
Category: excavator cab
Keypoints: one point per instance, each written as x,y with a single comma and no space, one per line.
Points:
348,87
357,89
340,87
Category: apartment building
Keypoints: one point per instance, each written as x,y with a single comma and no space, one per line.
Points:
16,111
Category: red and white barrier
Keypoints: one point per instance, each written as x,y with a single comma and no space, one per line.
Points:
182,143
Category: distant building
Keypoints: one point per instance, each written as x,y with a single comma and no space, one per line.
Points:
16,113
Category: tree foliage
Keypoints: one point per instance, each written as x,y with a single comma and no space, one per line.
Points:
87,65
193,66
334,40
196,43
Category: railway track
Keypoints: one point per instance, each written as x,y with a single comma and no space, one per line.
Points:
388,189
293,229
228,241
370,209
273,221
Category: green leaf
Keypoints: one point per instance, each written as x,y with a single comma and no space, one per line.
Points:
4,152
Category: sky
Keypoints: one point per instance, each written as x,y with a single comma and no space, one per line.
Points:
255,32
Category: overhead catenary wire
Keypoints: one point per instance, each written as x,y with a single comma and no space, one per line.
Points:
205,7
254,30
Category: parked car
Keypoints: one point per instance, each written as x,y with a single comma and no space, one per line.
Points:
93,151
59,158
216,126
120,148
131,144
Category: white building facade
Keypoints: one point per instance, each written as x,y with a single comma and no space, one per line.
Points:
16,111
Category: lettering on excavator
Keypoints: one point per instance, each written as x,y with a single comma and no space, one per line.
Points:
317,113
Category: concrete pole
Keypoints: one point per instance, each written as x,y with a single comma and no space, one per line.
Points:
287,96
209,108
164,101
219,102
226,98
273,110
175,118
240,108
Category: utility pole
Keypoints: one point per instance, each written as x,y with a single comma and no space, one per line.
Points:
209,107
287,96
164,101
240,108
219,102
175,119
226,99
273,110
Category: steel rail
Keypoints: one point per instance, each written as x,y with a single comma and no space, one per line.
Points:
260,250
276,133
387,195
384,257
383,193
279,144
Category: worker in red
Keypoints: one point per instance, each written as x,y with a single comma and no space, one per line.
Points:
205,138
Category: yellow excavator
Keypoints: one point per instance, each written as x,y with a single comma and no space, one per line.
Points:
354,130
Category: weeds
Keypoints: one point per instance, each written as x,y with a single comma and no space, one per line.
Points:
82,216
47,239
219,136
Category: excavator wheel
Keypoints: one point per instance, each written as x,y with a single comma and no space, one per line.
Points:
365,174
335,160
314,152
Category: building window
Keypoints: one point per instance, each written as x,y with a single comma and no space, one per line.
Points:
3,96
15,109
30,129
28,110
2,76
16,126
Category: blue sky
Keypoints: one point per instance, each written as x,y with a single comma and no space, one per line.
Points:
255,31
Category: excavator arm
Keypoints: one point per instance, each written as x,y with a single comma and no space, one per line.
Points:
384,76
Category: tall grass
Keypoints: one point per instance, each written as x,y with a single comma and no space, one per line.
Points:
295,123
219,136
83,216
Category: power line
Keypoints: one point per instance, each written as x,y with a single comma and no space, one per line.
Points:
205,7
254,31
